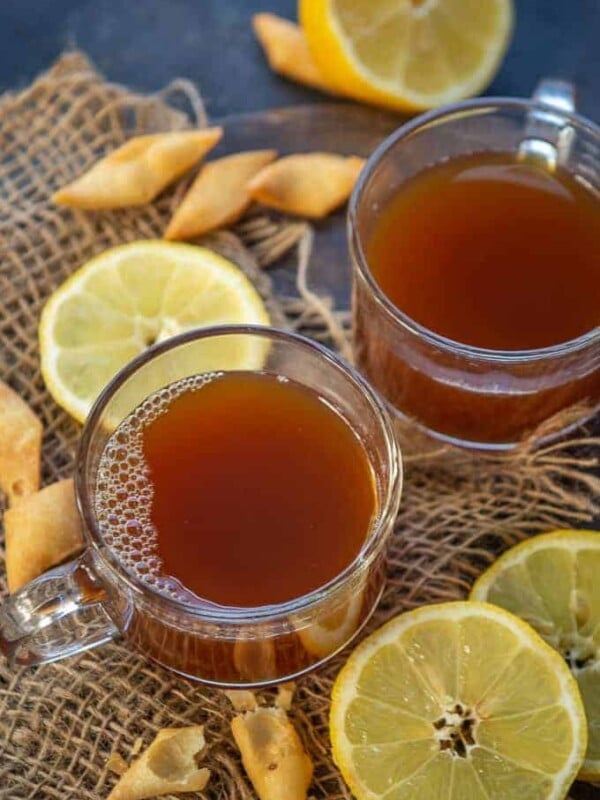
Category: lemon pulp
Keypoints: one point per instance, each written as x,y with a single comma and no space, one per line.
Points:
129,297
553,582
461,701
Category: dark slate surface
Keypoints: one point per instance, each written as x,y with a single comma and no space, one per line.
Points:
147,42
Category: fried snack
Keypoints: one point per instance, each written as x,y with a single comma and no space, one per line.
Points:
272,754
287,51
285,695
117,764
138,170
218,196
168,766
20,446
137,746
306,184
241,699
42,531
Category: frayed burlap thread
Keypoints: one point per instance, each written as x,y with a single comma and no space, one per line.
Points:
60,723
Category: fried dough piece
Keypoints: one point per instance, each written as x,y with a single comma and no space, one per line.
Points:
218,196
117,764
241,699
20,446
168,766
307,184
272,754
287,50
285,695
139,170
41,531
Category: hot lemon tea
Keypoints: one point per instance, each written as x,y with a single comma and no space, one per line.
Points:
238,486
235,491
475,281
491,252
241,489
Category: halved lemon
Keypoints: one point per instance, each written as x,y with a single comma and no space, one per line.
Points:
127,298
553,582
408,54
460,701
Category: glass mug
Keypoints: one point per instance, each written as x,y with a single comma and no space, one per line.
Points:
92,599
470,396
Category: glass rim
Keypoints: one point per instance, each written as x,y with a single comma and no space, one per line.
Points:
238,615
433,118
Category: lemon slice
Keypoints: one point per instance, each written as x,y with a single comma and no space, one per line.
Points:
129,297
461,701
408,54
553,582
331,630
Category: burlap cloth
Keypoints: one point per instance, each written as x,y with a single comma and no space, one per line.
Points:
60,723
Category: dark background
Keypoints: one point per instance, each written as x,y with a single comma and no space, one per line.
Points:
146,43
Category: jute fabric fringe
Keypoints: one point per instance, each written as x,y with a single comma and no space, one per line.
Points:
60,723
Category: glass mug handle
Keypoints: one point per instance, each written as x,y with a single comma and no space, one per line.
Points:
548,139
59,614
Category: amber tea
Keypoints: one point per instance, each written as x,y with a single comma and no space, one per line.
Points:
488,252
236,522
491,252
237,489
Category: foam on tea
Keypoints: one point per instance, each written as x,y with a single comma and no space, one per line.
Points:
242,489
124,491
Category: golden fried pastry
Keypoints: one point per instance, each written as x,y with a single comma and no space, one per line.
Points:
42,531
139,170
167,766
20,446
272,754
218,196
306,184
287,50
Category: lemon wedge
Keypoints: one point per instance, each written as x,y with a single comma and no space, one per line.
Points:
456,701
126,299
553,582
407,54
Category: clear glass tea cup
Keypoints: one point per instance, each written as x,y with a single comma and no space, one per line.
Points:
470,396
94,598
